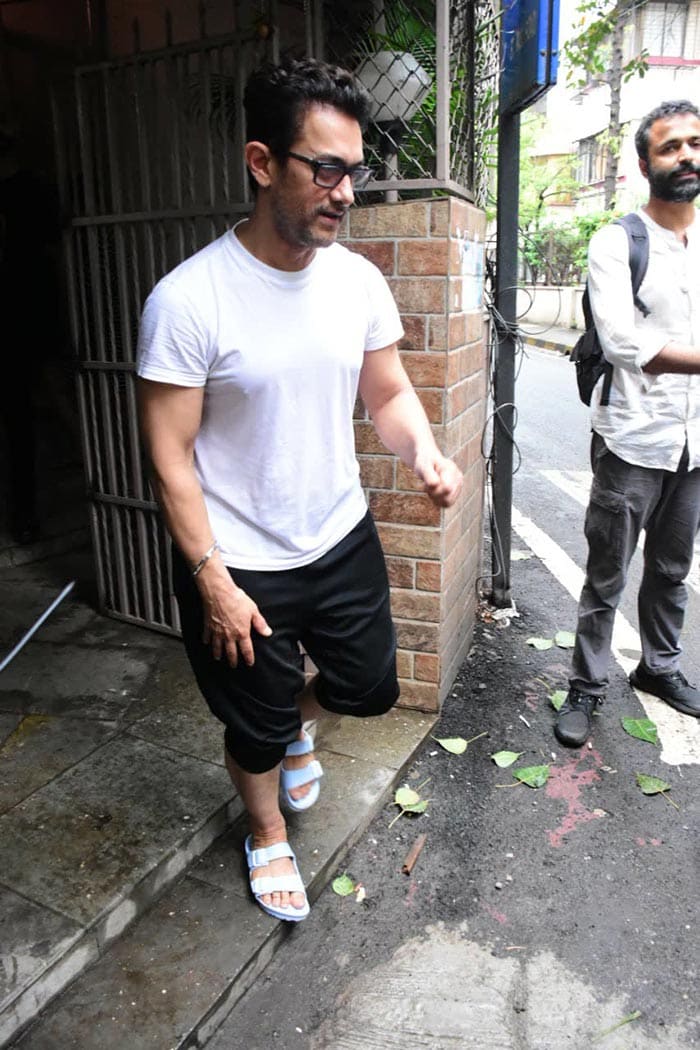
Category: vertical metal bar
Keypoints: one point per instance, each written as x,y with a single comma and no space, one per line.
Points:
504,379
64,197
144,174
205,88
112,472
226,83
309,42
174,99
96,330
146,566
189,164
273,15
319,35
240,131
471,97
442,70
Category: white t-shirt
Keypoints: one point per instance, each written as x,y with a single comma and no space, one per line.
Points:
279,356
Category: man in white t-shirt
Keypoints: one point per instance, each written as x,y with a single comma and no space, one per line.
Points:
251,354
646,433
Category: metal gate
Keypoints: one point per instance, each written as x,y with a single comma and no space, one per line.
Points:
150,156
150,152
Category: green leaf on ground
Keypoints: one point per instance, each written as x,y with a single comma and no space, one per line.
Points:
456,745
540,643
641,729
565,639
520,555
416,807
406,796
533,776
557,698
652,785
409,801
343,885
503,759
634,1016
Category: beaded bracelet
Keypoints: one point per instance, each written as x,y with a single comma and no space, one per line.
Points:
205,558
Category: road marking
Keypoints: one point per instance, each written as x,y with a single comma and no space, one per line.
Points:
577,484
679,734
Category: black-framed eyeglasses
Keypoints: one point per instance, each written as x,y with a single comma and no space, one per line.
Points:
330,173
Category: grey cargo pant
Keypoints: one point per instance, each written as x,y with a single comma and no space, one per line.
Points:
624,500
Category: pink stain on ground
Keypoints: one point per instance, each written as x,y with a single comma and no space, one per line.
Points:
566,783
495,914
532,701
652,842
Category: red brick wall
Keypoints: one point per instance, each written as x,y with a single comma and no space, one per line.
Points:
431,253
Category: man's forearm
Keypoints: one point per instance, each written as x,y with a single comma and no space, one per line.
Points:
677,358
182,503
404,428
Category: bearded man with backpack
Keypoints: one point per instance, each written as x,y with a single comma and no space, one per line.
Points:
645,451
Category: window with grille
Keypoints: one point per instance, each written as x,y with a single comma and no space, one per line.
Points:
661,29
590,166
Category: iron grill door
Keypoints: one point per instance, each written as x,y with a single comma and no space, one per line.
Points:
150,155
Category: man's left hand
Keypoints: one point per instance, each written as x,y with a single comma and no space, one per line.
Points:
442,479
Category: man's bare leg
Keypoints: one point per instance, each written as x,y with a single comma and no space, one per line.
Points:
260,795
310,710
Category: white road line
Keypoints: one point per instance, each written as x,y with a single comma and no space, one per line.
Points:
679,734
577,483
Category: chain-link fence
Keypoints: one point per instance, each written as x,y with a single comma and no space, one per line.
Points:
431,68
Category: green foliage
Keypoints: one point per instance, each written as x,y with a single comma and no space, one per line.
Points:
542,180
588,52
558,253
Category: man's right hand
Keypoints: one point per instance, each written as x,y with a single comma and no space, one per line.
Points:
230,616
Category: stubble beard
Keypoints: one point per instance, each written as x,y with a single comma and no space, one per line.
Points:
665,186
297,230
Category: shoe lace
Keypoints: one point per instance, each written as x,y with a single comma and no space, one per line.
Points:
587,701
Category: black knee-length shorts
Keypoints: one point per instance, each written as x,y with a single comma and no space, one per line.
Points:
337,608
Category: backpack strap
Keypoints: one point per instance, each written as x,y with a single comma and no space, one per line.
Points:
638,240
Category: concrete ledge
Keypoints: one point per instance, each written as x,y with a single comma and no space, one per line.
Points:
68,959
170,980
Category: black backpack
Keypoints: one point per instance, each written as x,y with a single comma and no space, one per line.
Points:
588,354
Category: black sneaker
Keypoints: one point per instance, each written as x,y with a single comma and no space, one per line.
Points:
674,688
574,721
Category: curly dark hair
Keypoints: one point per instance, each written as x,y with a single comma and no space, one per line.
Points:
277,98
673,108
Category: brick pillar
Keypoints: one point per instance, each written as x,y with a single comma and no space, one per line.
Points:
431,253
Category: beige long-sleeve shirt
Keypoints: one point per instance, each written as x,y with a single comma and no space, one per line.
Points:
649,418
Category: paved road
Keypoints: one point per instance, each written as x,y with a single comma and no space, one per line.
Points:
557,918
550,496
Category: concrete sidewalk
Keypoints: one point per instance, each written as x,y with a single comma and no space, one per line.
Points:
111,786
560,340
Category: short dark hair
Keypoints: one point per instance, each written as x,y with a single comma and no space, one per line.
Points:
277,98
674,108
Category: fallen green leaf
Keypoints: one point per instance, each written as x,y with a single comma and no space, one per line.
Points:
406,796
503,759
456,745
533,776
409,801
416,807
565,639
343,885
557,698
652,785
634,1016
641,729
540,643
